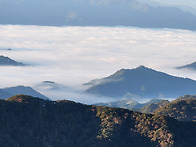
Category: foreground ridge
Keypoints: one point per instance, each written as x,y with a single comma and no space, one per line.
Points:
28,121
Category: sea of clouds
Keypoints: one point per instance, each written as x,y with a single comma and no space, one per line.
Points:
75,55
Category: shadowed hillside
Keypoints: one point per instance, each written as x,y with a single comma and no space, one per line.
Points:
28,122
150,108
183,108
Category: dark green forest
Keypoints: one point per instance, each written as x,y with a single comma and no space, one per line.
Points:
32,122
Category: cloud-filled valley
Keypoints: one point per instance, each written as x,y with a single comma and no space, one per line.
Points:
75,55
97,73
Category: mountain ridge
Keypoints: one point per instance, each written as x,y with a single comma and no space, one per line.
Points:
6,61
189,66
141,82
94,13
4,94
134,105
183,108
25,90
37,122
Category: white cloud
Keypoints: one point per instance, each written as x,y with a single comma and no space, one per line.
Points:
75,55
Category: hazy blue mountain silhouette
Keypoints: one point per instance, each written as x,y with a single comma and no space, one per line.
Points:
141,82
94,13
26,90
125,103
4,95
134,105
190,66
51,86
6,61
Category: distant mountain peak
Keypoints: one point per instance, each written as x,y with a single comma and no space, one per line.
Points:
22,86
49,82
6,61
123,70
138,70
51,85
190,66
24,90
142,82
142,67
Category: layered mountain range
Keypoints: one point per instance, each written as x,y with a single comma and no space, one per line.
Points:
182,108
147,107
95,13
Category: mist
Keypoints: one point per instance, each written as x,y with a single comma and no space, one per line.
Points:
75,55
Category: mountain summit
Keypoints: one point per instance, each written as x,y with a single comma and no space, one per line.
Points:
190,66
10,91
141,82
6,61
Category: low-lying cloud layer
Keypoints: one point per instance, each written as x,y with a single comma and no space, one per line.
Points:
75,55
